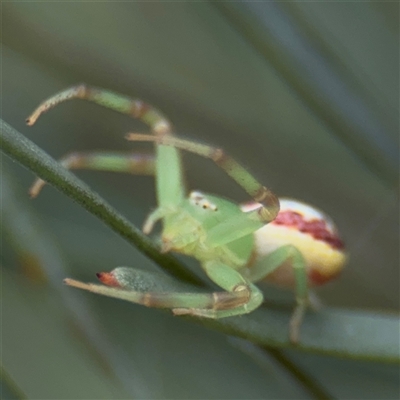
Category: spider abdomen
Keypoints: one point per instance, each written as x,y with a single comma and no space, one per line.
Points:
311,232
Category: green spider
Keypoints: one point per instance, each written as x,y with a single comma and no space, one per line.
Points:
286,242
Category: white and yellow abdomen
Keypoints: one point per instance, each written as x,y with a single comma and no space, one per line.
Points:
311,232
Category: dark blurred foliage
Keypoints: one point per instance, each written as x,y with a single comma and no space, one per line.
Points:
304,94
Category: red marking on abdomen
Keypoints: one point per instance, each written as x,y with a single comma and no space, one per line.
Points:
108,279
316,278
317,228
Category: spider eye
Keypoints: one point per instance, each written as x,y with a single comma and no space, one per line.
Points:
198,199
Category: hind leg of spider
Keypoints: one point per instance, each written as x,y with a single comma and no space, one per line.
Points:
273,261
134,163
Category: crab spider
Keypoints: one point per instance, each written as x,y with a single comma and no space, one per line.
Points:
236,245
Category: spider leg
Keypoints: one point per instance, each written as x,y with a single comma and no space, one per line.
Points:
232,281
232,229
135,108
134,163
164,300
270,263
239,296
170,182
269,202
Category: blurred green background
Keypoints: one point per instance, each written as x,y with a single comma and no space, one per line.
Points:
306,95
